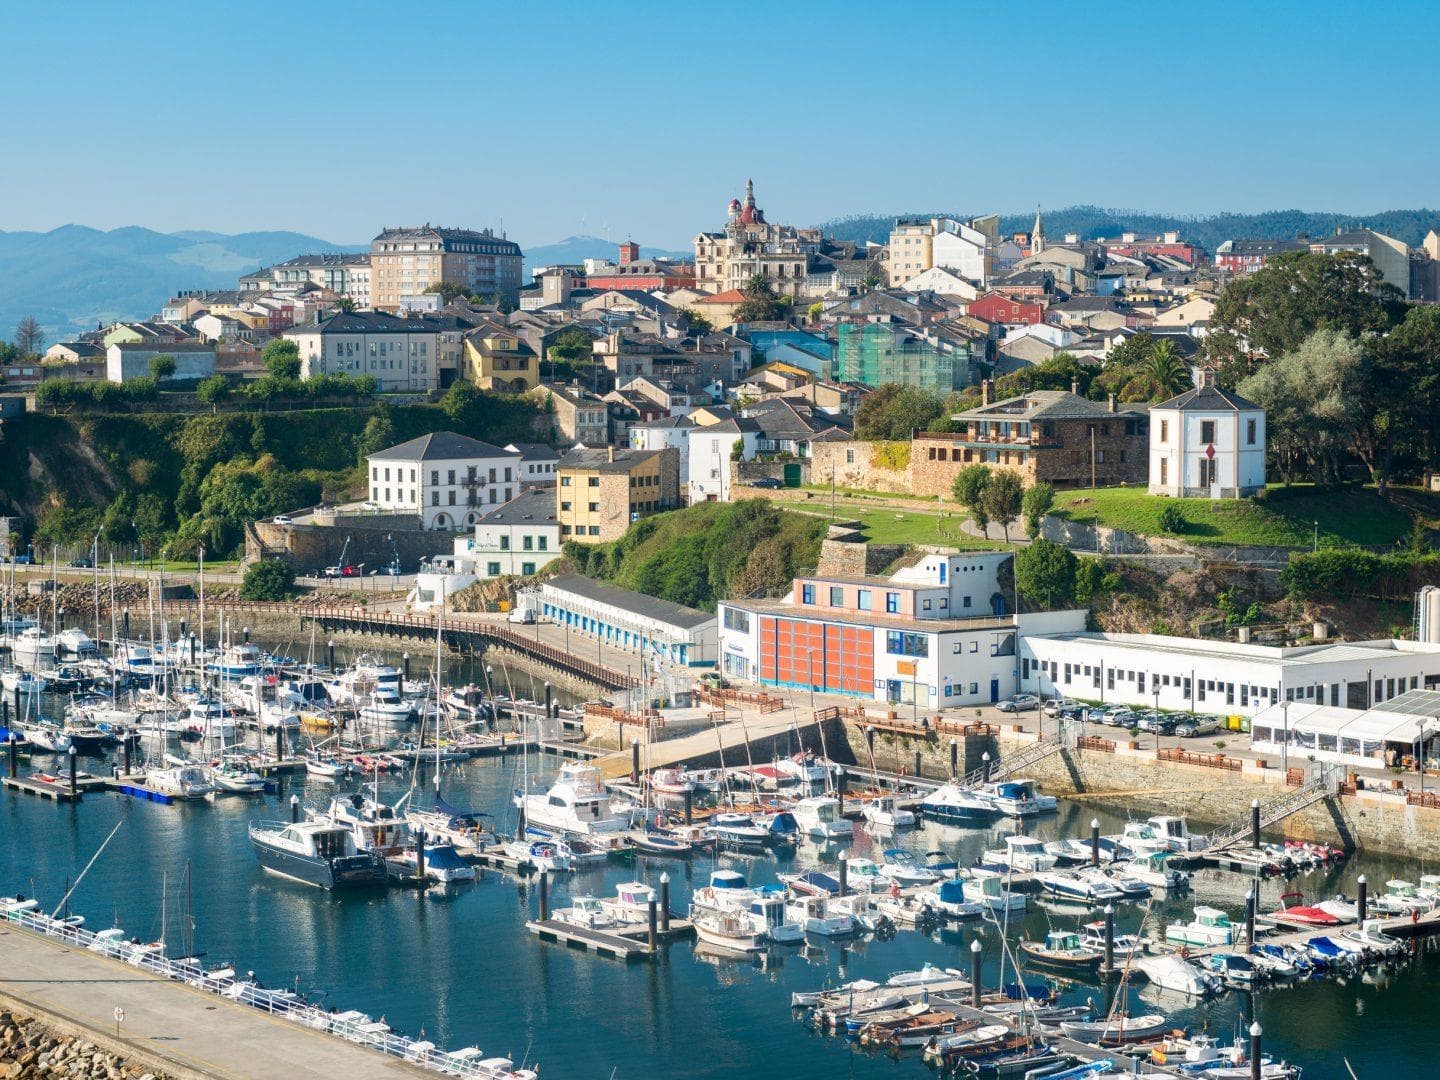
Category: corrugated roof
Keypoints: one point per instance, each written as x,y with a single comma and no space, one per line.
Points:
649,607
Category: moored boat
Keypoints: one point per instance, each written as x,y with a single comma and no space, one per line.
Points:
315,852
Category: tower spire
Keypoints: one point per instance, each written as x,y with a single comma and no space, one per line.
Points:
1037,234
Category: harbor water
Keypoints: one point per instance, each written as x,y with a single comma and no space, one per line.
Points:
458,965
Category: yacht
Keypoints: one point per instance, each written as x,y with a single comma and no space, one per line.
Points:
1176,834
22,682
886,812
1021,854
815,916
631,902
819,817
737,832
466,704
1156,870
1210,926
33,646
728,891
188,781
1067,885
207,718
958,805
1019,798
901,869
75,643
385,704
237,662
315,852
374,825
576,803
353,687
236,779
733,931
137,661
989,891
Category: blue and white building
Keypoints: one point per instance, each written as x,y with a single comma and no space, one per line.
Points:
655,630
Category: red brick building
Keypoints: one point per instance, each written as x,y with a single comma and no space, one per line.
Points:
995,308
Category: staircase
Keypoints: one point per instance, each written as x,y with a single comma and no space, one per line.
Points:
1324,784
1011,764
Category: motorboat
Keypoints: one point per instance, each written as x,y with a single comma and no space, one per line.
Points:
768,910
75,643
672,782
353,687
1117,1030
1234,969
1370,935
1293,912
862,909
443,863
885,811
1118,878
918,1029
905,910
586,911
207,718
462,829
1176,833
653,841
925,976
68,679
385,705
1062,949
1401,898
467,704
737,832
948,1051
188,650
810,771
1074,852
1176,974
316,853
1021,854
326,765
576,803
901,869
811,883
235,779
989,891
863,875
727,891
1141,838
579,852
818,816
1157,870
184,781
1274,960
23,682
267,699
1345,908
1328,953
137,661
957,805
1122,946
541,854
1067,885
947,899
631,902
729,930
33,646
237,662
1018,798
1210,926
375,825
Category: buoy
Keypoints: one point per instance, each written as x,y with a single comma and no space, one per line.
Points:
1184,952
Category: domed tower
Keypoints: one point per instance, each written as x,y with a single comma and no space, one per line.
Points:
750,214
733,211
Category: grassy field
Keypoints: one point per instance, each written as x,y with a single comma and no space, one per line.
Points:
892,526
1284,517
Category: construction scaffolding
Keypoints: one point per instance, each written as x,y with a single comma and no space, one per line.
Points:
877,353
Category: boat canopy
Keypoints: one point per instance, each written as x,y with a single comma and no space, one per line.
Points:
445,809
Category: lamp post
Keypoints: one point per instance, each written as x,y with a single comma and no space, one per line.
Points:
1155,685
1421,742
1285,744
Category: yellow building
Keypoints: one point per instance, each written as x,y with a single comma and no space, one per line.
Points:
600,492
496,359
909,250
407,261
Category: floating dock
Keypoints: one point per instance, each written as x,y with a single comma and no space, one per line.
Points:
630,942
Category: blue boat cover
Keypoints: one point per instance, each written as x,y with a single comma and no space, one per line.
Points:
821,881
442,807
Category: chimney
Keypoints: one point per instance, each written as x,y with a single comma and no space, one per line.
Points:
610,453
1111,402
1075,386
987,391
1207,377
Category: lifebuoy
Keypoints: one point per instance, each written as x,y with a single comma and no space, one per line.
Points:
1184,952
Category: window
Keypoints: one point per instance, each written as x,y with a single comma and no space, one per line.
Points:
925,604
807,594
452,477
899,643
434,476
594,507
564,507
504,543
493,569
735,619
593,481
528,543
850,454
594,530
544,543
1207,431
1164,431
892,603
564,481
837,596
452,498
435,498
1250,432
527,568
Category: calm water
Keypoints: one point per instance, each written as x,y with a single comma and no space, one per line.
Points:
461,967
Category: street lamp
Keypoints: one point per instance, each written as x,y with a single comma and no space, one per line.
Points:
1285,745
1155,685
1421,742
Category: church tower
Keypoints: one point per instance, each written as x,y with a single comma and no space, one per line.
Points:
1037,235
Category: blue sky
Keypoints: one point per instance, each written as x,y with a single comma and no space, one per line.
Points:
644,118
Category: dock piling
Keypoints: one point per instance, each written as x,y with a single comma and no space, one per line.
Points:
125,623
547,700
125,749
1250,917
1109,938
975,951
520,823
634,761
985,765
72,756
917,764
665,902
840,788
1094,841
330,653
404,672
654,937
544,895
844,874
10,740
420,855
1255,1065
954,757
279,745
294,809
18,714
689,796
246,631
1255,823
1362,902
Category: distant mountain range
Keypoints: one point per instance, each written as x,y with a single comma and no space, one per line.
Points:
1207,231
75,277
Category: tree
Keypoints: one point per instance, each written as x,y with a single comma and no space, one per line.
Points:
461,403
968,487
268,579
895,412
815,310
282,358
1045,574
760,303
572,344
379,433
213,391
1166,370
450,291
29,337
1003,496
346,304
1038,500
697,323
162,367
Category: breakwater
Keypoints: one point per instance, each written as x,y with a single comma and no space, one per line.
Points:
32,1047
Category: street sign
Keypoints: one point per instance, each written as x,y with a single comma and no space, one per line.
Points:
119,1019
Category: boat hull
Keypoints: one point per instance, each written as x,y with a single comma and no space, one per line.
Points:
347,872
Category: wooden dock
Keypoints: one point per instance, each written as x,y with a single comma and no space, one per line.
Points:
628,943
45,789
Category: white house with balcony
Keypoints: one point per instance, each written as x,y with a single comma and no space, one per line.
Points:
1207,443
447,480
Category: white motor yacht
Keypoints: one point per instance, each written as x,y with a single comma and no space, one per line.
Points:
576,803
819,817
385,704
728,891
33,646
586,911
1021,854
885,811
75,643
181,781
815,916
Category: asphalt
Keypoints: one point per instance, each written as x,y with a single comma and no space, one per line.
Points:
177,1028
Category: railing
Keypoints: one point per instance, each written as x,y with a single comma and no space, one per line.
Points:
1094,742
1325,783
1427,799
767,703
621,716
1013,763
355,1028
1208,761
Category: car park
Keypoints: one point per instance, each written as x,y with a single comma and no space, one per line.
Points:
1019,702
1056,706
1118,716
1191,726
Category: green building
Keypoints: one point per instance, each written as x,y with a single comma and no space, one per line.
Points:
878,353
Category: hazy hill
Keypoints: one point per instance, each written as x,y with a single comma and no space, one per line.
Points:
576,249
1208,231
74,277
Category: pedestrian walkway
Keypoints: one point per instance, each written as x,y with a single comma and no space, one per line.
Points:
175,1028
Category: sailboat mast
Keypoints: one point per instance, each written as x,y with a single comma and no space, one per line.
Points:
439,633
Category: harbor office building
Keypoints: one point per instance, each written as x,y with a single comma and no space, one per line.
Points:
652,629
1225,677
934,634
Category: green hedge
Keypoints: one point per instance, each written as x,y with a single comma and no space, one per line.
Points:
1353,572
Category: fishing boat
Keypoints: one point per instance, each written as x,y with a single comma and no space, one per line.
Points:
576,803
818,816
988,891
1176,974
730,930
921,1024
1210,926
181,781
1062,949
1071,886
814,916
885,811
316,853
957,805
768,911
631,902
945,1052
1123,946
1021,854
586,911
1117,1030
1176,833
901,868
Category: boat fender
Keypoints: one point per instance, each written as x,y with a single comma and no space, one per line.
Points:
1184,952
895,889
1414,916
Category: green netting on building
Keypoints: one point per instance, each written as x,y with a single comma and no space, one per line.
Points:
874,354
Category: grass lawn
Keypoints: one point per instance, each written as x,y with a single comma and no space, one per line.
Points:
915,527
1285,517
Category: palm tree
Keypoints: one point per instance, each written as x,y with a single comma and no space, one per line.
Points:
1165,370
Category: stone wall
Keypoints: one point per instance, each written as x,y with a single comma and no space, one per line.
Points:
310,547
847,558
852,465
34,1048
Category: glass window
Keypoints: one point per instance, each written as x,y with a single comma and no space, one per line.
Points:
900,643
735,619
493,569
892,603
862,599
807,594
527,568
837,596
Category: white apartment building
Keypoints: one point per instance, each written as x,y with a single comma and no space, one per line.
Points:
1207,443
449,481
401,354
518,538
708,466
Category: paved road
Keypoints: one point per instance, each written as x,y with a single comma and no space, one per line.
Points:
197,1034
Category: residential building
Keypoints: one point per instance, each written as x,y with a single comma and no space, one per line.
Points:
965,248
1192,316
516,539
1230,678
790,426
874,353
709,473
577,415
1167,246
655,631
345,274
996,308
1206,443
537,462
498,359
446,480
1390,256
630,271
749,247
601,492
416,353
74,352
139,333
406,261
662,432
719,309
126,361
1246,256
1050,435
936,633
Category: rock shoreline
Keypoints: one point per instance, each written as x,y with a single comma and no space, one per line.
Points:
29,1048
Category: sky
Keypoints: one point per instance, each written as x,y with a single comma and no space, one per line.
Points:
643,119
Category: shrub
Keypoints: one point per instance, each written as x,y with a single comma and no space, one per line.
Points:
892,455
268,579
1172,519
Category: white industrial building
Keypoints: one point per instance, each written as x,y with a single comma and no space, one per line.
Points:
1207,443
1227,677
654,630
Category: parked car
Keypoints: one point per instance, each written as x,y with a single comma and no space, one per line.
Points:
282,519
524,615
83,563
348,570
1056,706
1019,702
1118,716
766,482
1191,726
23,560
1155,722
